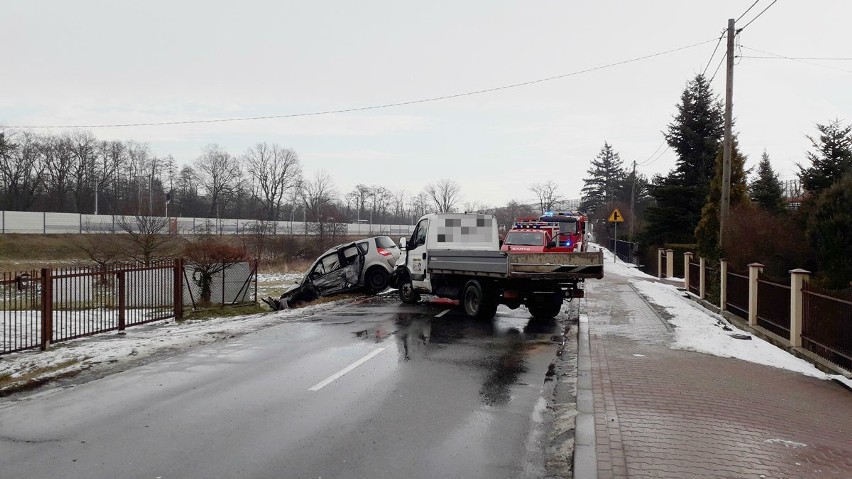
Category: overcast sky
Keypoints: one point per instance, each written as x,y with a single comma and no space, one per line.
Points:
108,62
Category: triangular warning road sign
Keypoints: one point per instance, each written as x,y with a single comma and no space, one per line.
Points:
616,216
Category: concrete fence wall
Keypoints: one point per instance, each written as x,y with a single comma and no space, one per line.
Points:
27,222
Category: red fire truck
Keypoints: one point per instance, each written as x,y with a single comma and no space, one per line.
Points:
549,233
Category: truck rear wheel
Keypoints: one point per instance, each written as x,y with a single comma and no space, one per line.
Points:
477,301
546,308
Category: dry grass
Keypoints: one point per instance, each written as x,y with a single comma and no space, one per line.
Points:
6,379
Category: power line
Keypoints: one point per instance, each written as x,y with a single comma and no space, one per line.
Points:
714,52
717,67
747,10
798,60
642,163
657,158
375,107
756,17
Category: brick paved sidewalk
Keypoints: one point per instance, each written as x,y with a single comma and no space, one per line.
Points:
663,413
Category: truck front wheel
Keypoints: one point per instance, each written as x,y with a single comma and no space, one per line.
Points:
407,294
477,301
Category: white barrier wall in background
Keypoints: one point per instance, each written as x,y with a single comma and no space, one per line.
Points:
26,222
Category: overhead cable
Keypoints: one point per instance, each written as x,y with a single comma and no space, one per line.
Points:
756,17
375,107
800,60
747,10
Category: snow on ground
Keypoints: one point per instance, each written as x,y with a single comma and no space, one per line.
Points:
137,342
701,330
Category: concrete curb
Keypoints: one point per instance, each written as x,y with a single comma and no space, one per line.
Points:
585,457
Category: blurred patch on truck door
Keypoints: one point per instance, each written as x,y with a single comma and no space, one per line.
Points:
417,265
471,229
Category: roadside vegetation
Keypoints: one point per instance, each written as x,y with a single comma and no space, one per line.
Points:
808,228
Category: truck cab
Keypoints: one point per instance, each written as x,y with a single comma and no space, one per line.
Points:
446,231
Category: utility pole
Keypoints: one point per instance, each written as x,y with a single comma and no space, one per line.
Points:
633,201
725,206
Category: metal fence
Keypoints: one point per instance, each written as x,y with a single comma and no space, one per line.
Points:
773,305
38,308
694,278
231,284
624,250
827,324
737,294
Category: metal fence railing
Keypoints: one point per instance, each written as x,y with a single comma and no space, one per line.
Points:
624,250
20,311
694,278
38,308
773,305
737,294
827,324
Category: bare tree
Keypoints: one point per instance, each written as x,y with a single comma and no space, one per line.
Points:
56,154
444,194
147,238
318,196
109,158
419,206
275,171
217,170
546,194
82,147
21,170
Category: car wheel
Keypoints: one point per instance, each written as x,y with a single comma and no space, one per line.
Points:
376,280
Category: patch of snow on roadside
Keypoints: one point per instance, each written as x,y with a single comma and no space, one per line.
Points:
139,342
697,329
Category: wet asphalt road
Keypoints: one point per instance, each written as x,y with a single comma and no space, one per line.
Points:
372,390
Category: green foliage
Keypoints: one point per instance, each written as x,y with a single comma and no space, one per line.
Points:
707,231
766,190
829,231
695,135
604,181
831,159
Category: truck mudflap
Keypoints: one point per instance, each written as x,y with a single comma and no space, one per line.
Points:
556,265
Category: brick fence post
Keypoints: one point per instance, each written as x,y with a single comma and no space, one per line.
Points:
723,284
753,270
660,252
670,263
797,280
702,278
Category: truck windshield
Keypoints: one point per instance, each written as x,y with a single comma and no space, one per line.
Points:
524,238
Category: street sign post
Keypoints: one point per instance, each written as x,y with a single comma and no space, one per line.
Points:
615,217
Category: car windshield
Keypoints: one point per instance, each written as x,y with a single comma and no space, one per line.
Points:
525,238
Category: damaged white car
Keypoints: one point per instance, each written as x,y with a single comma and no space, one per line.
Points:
361,265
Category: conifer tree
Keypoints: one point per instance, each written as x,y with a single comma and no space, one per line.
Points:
831,159
829,229
605,178
694,135
766,190
707,231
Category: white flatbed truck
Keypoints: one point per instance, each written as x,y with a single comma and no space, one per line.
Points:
457,256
